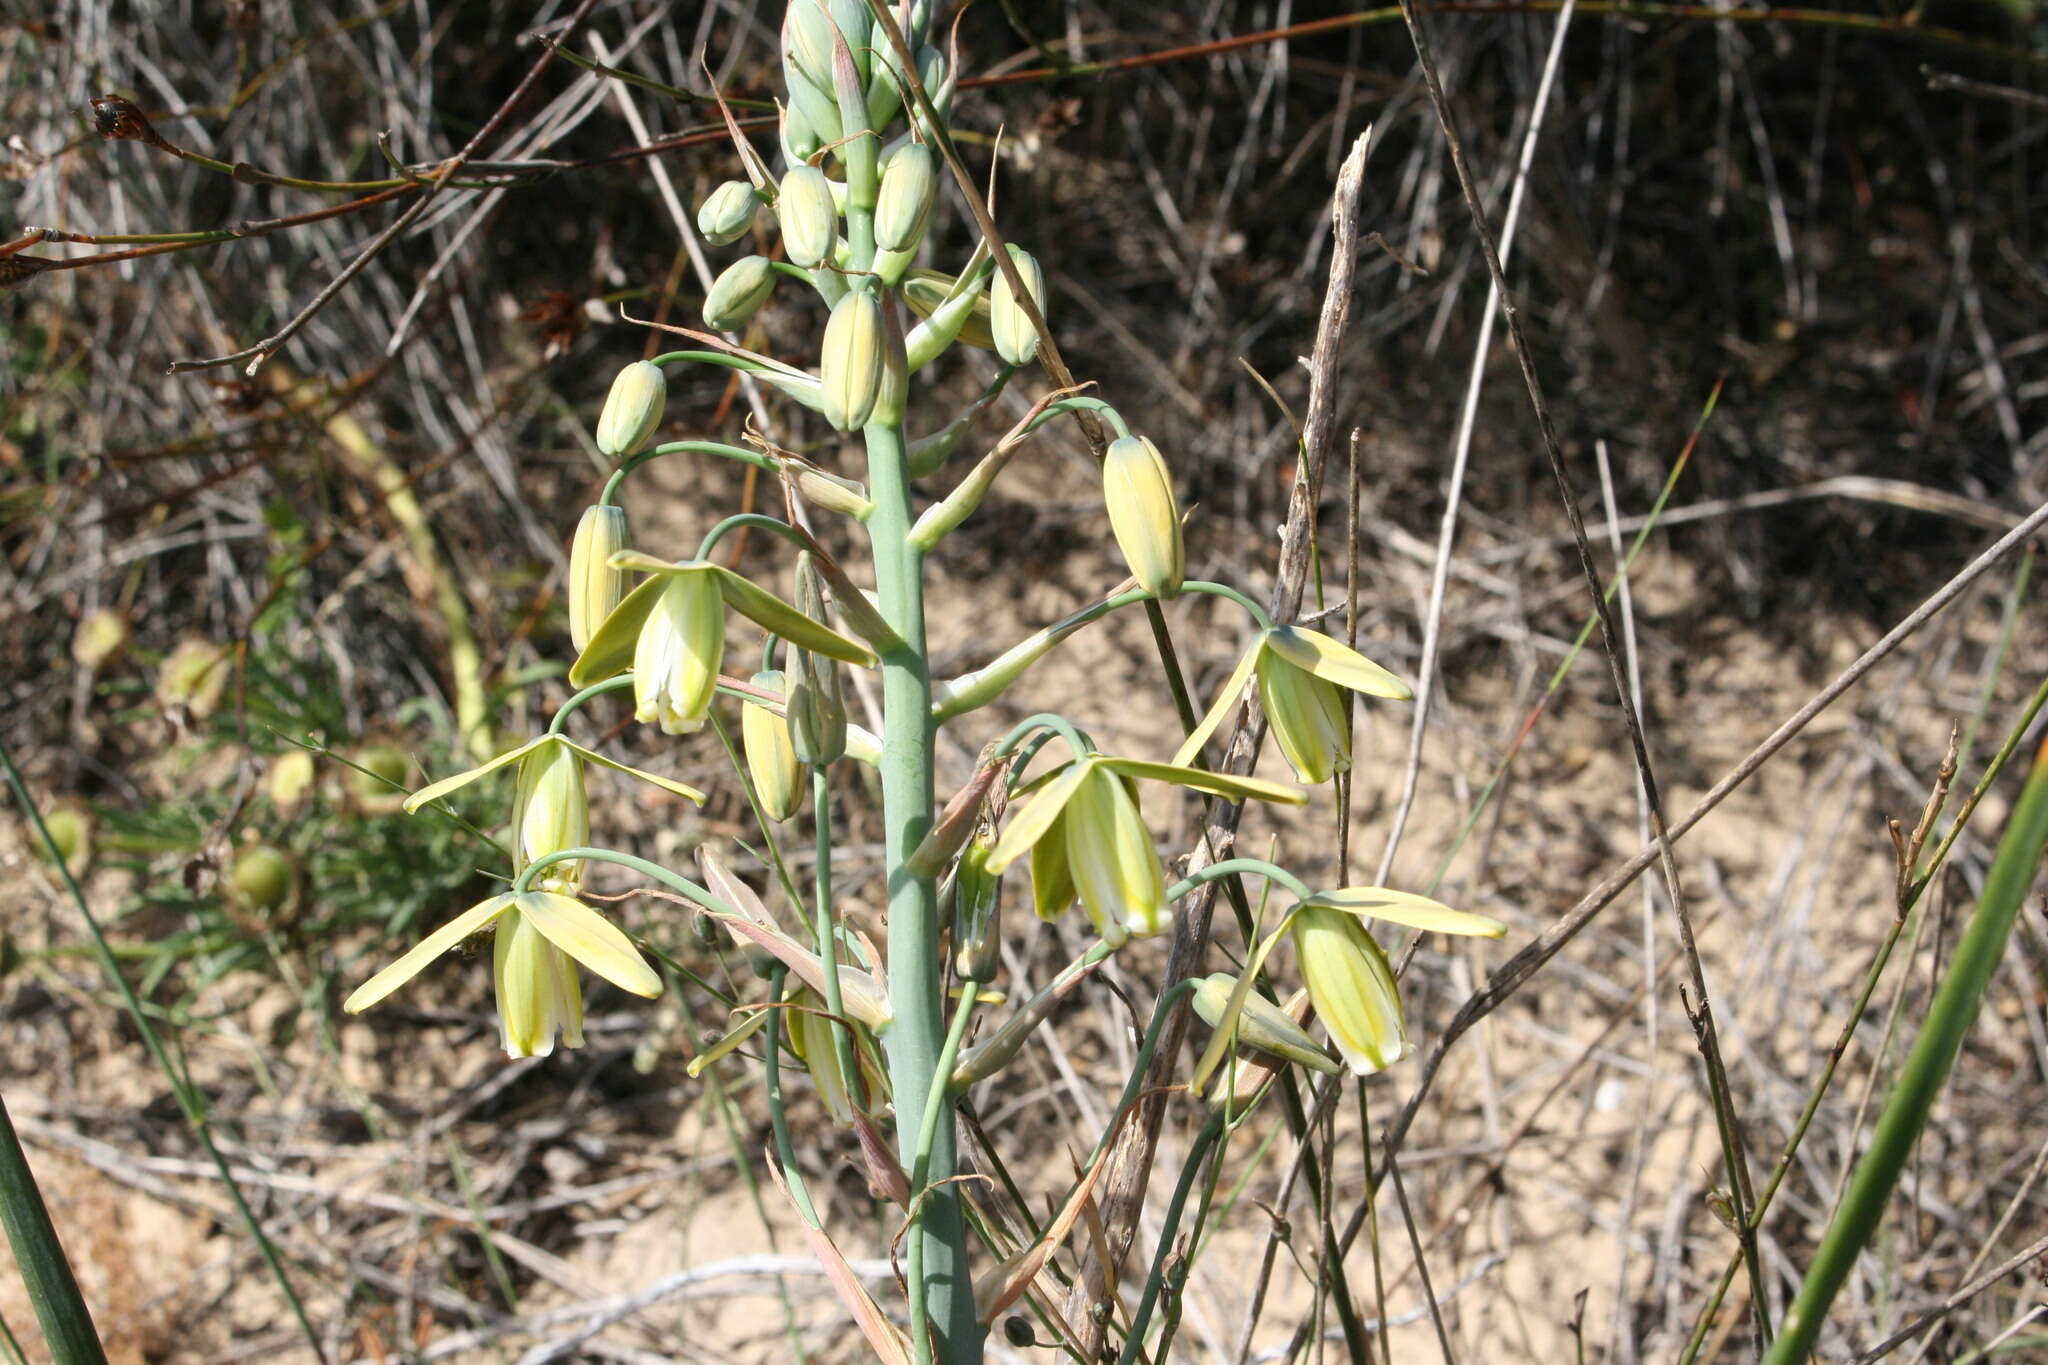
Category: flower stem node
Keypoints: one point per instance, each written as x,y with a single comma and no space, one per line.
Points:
541,937
1016,339
738,293
632,410
595,587
1137,489
727,212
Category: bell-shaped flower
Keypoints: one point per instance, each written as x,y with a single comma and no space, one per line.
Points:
671,632
1347,975
1144,515
541,937
1091,807
549,810
1299,672
1261,1025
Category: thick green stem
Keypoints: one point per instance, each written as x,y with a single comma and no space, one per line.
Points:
916,977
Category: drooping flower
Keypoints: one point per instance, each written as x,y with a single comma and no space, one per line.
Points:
1299,672
671,632
1348,977
1144,515
541,937
1091,808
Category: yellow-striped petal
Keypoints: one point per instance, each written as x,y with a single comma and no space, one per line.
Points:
610,651
770,612
1201,779
434,791
1031,823
1334,662
667,784
1233,688
591,939
426,950
1353,988
1405,907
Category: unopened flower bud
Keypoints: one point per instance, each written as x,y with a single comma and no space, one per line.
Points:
738,293
193,676
809,216
910,186
595,587
851,367
977,910
99,639
1016,339
727,213
632,410
817,714
1143,513
1261,1025
771,758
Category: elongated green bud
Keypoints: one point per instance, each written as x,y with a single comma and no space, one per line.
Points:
1015,338
1261,1024
809,216
632,410
738,293
595,587
817,714
926,290
1143,513
807,42
771,758
977,910
851,367
910,186
727,212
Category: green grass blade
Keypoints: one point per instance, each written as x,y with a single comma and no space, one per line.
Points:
1926,1069
52,1290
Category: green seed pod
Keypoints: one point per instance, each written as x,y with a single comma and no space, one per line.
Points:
380,787
851,367
738,293
926,290
910,186
817,713
1261,1024
1015,338
632,410
263,883
99,639
595,587
290,779
977,910
193,676
771,759
809,216
1308,720
1143,513
727,212
71,827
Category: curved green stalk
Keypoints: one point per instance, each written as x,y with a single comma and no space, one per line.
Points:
1258,613
718,448
570,707
751,521
675,882
1231,867
1949,1018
